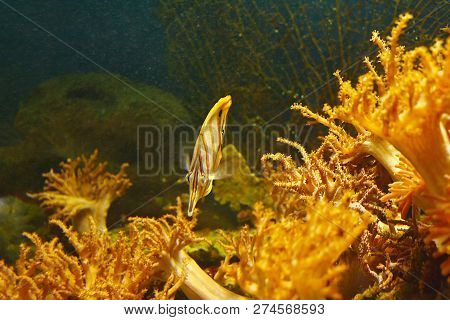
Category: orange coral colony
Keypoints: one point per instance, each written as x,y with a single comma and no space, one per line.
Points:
403,120
290,258
83,190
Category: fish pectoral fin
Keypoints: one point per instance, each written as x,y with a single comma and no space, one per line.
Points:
181,181
186,162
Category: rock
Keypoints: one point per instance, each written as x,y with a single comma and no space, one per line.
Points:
74,114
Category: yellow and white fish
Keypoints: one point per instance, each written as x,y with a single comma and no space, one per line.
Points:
207,153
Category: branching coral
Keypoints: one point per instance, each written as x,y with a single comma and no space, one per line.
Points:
169,241
328,174
408,106
291,258
387,256
121,269
386,249
324,177
45,273
402,120
126,268
145,261
439,232
83,190
102,269
351,149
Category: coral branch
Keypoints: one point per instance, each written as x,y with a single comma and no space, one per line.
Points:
168,236
291,258
83,190
403,119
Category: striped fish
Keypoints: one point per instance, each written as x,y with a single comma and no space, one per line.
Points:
207,153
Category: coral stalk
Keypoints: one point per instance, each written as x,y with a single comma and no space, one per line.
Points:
197,283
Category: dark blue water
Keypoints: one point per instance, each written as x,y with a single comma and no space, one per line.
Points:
123,37
43,39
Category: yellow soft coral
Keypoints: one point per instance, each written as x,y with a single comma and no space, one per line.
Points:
126,268
83,190
323,176
147,260
123,268
168,236
293,258
45,273
102,269
403,120
408,106
150,252
439,231
407,181
349,148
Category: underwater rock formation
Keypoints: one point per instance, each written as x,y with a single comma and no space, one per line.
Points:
76,114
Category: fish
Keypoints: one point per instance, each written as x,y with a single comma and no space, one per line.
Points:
207,153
